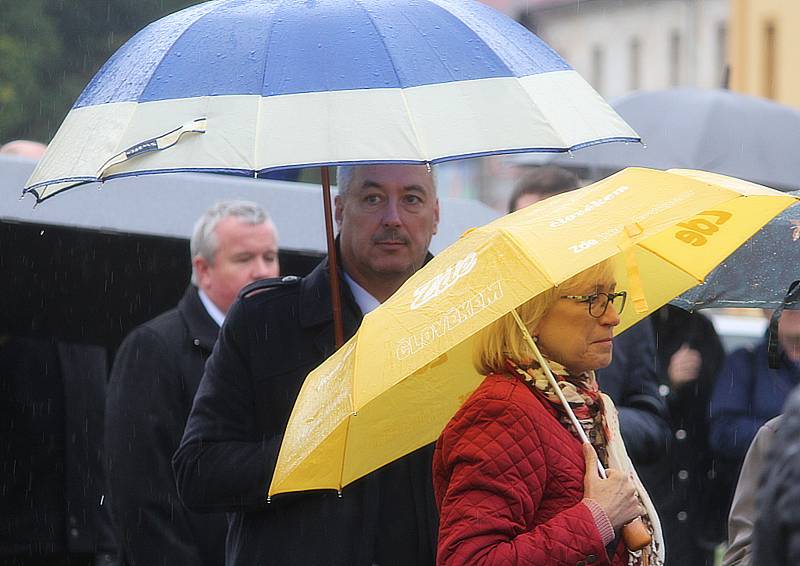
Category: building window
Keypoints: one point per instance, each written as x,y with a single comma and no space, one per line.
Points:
598,70
770,56
635,64
675,58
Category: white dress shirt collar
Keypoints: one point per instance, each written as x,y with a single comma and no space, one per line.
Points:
211,308
365,301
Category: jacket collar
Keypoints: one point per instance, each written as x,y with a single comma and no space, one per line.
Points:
315,295
202,328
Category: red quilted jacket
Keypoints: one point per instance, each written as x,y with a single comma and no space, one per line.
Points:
508,479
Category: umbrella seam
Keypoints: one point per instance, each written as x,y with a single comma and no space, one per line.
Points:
260,101
401,88
172,48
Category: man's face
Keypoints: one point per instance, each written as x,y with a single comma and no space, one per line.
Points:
526,200
789,333
386,222
245,253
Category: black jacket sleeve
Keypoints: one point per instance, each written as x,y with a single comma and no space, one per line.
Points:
144,422
632,383
224,463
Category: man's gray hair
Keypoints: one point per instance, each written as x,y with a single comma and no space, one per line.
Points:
345,173
204,238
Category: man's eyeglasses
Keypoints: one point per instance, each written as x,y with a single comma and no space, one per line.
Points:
598,302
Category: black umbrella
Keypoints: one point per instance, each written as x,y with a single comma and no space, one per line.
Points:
91,267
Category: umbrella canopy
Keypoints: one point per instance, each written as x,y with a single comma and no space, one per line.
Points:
91,267
249,86
396,383
756,275
713,130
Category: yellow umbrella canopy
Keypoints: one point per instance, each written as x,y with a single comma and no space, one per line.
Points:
392,388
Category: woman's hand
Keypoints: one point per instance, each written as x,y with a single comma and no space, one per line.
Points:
684,366
616,494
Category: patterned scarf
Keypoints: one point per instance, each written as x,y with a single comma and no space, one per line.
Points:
582,394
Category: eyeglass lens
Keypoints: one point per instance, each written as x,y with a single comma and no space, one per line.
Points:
598,307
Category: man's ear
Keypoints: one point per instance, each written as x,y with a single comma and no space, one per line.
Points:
338,205
200,268
436,217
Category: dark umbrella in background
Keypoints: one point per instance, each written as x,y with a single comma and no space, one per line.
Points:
245,87
712,130
758,274
91,267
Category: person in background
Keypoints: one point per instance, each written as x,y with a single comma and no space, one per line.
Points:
53,508
540,183
686,487
776,533
154,379
275,334
747,393
742,517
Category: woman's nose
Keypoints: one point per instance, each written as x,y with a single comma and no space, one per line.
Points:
611,316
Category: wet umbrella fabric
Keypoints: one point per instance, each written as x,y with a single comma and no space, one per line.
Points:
714,130
248,86
758,274
396,383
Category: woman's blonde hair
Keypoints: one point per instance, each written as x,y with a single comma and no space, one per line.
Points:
503,340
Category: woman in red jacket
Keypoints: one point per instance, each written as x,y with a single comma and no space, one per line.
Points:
513,482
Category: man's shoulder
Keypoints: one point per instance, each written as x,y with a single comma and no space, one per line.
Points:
165,326
272,287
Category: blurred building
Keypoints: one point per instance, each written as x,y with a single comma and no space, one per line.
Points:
621,46
764,41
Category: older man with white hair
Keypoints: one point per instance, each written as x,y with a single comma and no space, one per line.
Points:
155,376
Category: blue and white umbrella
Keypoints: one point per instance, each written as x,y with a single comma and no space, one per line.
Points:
250,86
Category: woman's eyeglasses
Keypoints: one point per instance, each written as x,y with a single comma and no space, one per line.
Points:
598,302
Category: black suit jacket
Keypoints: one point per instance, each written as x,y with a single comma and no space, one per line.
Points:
270,341
156,373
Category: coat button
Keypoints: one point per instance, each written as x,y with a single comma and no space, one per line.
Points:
196,342
591,559
683,475
74,533
680,434
682,516
663,390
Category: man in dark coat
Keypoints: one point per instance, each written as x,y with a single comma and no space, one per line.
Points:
273,337
155,376
52,504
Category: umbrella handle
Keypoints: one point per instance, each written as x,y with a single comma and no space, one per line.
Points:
635,534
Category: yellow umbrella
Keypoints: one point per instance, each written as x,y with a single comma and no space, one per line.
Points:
392,388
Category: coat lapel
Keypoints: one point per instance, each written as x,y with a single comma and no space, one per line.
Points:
316,308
